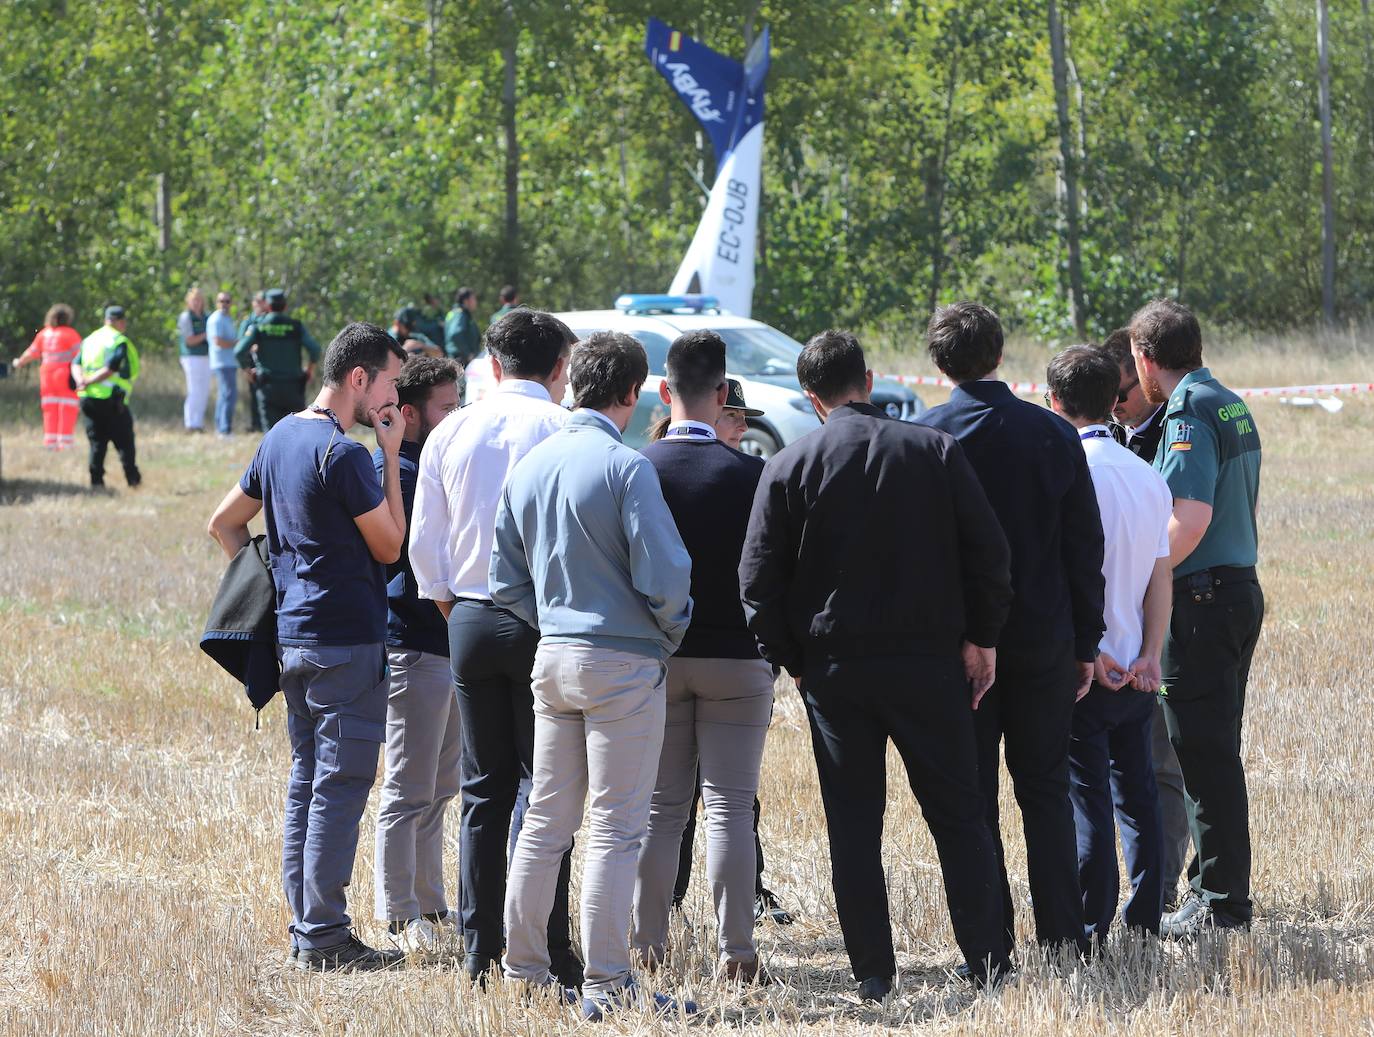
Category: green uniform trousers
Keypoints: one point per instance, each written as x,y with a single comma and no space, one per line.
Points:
278,395
1206,666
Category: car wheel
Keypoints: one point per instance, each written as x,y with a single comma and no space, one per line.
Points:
758,443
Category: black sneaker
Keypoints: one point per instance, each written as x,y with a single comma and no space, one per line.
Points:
767,909
875,988
567,969
350,956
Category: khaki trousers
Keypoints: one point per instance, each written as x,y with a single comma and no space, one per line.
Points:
718,713
598,728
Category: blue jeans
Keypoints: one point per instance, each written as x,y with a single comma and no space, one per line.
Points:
336,698
227,398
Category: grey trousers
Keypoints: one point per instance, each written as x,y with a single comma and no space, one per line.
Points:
1173,809
598,728
718,713
423,752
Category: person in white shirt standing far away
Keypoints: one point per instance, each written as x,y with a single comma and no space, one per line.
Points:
1110,763
463,468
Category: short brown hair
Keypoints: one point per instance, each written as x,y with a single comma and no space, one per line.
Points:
1084,379
421,375
1166,332
965,340
59,315
832,364
1117,345
605,367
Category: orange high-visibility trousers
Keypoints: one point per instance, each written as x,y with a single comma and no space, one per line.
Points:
60,406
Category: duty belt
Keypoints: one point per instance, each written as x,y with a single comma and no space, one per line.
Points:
1201,585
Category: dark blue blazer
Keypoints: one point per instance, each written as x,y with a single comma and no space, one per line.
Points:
1032,467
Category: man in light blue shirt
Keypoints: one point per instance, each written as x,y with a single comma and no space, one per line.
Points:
587,551
222,336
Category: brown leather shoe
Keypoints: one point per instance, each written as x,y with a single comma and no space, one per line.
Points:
747,972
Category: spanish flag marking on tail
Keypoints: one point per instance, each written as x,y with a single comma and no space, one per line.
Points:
675,41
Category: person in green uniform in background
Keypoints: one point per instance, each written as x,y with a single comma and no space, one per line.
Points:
430,320
462,336
1210,457
104,376
405,327
510,299
251,397
272,348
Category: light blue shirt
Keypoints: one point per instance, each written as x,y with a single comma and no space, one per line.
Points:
221,325
586,549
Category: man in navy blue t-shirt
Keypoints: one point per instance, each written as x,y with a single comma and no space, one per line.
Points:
423,734
330,529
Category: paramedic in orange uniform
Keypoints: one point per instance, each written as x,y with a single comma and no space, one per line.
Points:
56,346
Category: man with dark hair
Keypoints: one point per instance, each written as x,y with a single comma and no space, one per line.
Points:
510,300
463,467
272,347
1033,469
331,527
719,689
1210,457
462,336
1143,420
405,329
104,372
587,552
875,573
1110,765
423,742
1144,423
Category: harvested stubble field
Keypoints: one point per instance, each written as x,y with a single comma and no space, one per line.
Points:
140,810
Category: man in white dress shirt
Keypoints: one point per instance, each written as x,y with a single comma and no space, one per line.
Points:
463,469
1110,763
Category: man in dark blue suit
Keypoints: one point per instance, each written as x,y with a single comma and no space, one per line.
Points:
1035,474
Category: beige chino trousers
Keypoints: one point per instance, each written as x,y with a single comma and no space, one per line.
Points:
718,714
598,728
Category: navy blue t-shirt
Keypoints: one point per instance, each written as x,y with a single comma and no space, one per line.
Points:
412,622
313,482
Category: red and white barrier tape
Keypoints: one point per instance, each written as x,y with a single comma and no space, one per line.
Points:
1039,388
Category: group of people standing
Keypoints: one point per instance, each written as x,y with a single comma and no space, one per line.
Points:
508,592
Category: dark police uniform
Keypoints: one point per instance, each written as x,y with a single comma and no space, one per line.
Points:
250,397
272,347
1210,452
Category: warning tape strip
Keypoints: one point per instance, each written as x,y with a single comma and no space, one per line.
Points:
1039,388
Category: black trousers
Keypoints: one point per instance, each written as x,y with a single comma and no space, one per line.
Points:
1206,667
1030,708
277,397
922,704
110,421
492,653
1112,774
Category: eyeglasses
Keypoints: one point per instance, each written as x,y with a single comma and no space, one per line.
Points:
1123,393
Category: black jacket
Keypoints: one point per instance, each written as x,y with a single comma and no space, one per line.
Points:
1031,463
241,633
871,536
1145,443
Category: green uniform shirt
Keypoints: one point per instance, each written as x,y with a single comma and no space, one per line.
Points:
1210,452
279,340
462,337
500,313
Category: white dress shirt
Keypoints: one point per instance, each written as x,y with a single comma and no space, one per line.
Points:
1135,504
463,469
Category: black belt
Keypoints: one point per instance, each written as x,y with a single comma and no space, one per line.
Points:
1199,586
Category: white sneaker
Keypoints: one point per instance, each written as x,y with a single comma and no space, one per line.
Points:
420,936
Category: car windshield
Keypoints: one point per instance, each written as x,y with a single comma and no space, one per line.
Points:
759,351
655,345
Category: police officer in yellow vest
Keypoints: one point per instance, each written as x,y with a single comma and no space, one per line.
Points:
104,374
272,346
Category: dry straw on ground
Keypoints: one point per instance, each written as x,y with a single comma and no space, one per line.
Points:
140,811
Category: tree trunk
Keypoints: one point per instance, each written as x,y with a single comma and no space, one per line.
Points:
935,192
1328,173
512,230
164,214
1068,170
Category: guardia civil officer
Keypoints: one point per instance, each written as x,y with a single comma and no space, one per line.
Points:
104,375
1210,457
272,347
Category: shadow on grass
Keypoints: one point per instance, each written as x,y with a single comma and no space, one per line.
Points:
24,491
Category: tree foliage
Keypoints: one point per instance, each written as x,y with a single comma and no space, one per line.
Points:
353,154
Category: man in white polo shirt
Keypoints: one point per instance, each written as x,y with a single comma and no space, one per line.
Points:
1110,764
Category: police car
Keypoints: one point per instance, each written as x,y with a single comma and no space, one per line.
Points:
761,357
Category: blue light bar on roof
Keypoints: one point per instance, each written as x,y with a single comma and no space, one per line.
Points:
666,303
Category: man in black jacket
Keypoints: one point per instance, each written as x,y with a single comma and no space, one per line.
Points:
1035,473
875,572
